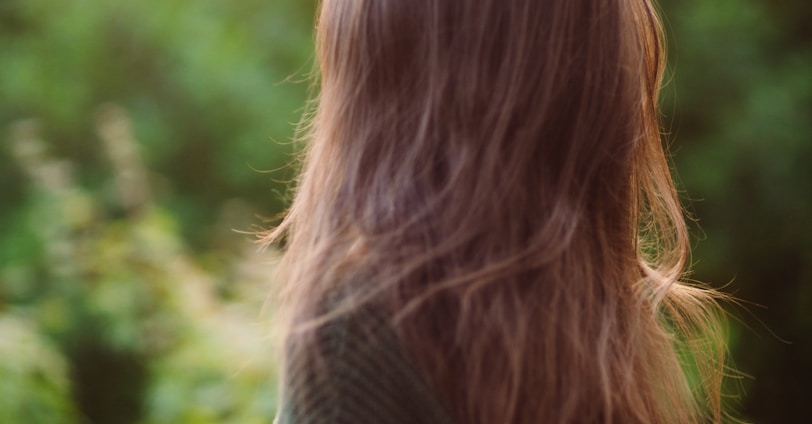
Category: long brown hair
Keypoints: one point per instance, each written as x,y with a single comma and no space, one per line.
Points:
494,170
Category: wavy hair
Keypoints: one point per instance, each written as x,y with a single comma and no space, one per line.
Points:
491,174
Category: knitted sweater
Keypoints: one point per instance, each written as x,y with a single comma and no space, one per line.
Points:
361,374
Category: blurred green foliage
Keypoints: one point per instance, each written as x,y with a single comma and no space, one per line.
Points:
116,304
33,376
740,107
134,132
204,80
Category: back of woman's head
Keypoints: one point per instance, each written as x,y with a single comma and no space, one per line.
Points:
494,170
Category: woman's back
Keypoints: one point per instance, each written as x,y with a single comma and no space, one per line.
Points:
495,172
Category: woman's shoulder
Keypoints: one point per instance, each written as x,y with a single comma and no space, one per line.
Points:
354,369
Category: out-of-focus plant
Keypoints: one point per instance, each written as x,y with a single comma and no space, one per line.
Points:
207,82
120,255
34,385
146,333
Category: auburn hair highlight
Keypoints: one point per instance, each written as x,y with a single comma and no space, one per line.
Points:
491,174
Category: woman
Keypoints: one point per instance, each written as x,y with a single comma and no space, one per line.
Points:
485,229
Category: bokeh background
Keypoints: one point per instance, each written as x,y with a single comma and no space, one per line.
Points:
137,136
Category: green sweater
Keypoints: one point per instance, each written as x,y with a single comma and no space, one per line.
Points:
361,375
